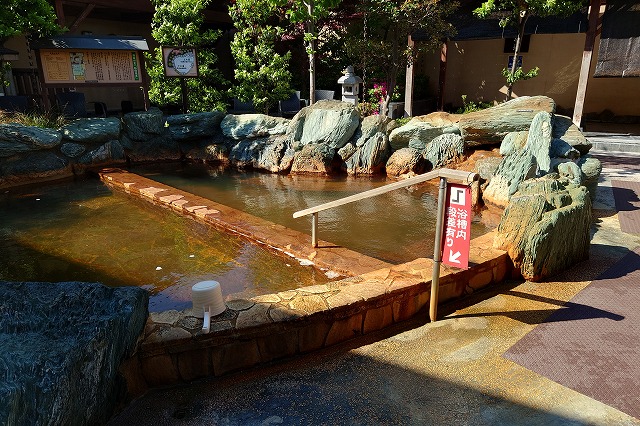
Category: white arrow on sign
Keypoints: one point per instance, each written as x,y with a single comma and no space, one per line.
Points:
453,257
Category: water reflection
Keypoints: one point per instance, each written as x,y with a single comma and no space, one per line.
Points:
395,227
80,231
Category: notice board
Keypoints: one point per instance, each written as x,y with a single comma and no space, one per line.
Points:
77,67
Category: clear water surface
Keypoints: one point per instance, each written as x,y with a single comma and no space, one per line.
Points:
81,231
397,227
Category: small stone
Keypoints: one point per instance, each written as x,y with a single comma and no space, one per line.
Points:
166,317
239,304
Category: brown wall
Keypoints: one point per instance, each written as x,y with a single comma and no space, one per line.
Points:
473,69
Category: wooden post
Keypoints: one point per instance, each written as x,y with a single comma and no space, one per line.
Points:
443,75
314,230
408,86
594,12
437,251
185,95
60,13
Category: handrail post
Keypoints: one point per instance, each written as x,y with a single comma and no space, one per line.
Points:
314,229
437,251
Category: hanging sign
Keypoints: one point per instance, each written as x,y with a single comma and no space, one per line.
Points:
179,61
457,226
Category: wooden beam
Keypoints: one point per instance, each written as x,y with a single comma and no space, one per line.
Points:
442,78
87,10
60,13
408,85
589,42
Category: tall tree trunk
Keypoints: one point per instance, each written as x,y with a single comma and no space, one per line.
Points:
524,14
392,74
311,51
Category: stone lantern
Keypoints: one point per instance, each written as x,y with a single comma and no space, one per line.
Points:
350,86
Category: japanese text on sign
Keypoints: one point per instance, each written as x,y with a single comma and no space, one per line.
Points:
457,226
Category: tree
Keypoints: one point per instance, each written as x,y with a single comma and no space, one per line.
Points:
33,18
309,12
180,23
515,13
381,45
28,17
262,74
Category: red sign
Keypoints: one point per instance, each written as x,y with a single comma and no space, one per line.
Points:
457,226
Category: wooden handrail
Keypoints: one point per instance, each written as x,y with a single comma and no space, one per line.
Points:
454,175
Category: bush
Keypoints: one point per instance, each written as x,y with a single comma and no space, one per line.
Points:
49,120
472,106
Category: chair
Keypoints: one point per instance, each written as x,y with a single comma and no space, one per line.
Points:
240,107
324,95
72,104
291,106
100,109
126,106
14,103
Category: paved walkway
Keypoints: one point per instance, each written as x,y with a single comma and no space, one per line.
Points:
450,372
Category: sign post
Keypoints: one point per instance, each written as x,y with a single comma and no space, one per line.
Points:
180,62
457,233
451,246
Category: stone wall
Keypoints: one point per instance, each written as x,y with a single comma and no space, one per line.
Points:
277,326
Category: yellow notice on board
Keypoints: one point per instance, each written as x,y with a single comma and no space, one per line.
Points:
56,66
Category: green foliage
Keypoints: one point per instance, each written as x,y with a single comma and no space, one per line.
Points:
180,23
262,74
512,11
471,106
402,121
309,12
50,120
519,74
383,52
29,17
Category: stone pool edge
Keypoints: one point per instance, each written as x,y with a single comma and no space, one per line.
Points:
276,326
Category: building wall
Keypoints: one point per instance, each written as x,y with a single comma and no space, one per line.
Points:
474,69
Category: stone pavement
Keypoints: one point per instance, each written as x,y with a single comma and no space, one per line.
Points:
449,372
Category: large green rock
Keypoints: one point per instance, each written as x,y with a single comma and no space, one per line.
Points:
546,227
415,134
94,131
245,126
189,127
26,138
261,154
332,123
314,159
489,126
61,346
512,170
405,161
38,165
444,149
539,141
371,157
144,125
566,131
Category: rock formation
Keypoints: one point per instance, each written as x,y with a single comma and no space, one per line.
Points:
61,347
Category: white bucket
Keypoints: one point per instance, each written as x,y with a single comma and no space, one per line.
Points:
207,295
